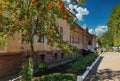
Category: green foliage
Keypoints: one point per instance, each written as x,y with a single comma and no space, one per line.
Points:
106,40
112,36
80,65
3,39
77,66
73,69
27,70
31,18
42,66
117,39
57,77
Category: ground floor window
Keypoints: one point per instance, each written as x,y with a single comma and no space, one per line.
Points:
56,56
62,55
42,58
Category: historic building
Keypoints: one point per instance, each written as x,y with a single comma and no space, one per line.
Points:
77,36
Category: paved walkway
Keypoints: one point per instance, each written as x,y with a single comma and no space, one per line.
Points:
107,68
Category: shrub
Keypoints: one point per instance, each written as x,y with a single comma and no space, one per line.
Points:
42,66
57,77
27,70
79,66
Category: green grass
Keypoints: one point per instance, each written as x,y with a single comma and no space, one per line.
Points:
56,77
79,66
65,71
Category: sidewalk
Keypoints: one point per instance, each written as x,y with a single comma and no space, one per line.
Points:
107,68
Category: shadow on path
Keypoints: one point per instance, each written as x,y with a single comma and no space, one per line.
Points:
102,75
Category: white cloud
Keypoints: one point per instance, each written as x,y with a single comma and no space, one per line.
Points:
79,16
68,1
100,29
91,31
71,6
75,6
81,11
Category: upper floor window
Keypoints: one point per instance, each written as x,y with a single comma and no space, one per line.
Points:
56,56
41,38
61,32
78,40
72,39
24,39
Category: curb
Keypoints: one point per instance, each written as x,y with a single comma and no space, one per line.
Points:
89,68
15,79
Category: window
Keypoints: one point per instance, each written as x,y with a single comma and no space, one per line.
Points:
61,32
78,40
42,58
56,56
89,42
25,39
40,38
62,55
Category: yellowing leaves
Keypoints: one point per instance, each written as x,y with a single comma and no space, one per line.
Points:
0,10
3,4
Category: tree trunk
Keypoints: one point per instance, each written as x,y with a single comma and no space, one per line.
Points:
27,66
31,46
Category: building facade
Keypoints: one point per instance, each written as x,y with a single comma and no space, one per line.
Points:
11,54
76,36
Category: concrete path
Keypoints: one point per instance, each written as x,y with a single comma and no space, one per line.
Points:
107,68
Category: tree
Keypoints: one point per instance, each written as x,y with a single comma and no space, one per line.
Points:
114,25
33,17
112,36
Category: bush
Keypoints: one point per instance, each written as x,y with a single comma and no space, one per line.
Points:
57,77
27,70
79,66
42,66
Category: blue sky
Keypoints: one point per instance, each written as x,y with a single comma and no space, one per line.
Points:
99,12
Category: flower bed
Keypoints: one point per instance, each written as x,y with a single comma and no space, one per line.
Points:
75,67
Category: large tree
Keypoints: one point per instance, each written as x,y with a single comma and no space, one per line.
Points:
34,17
114,25
112,36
